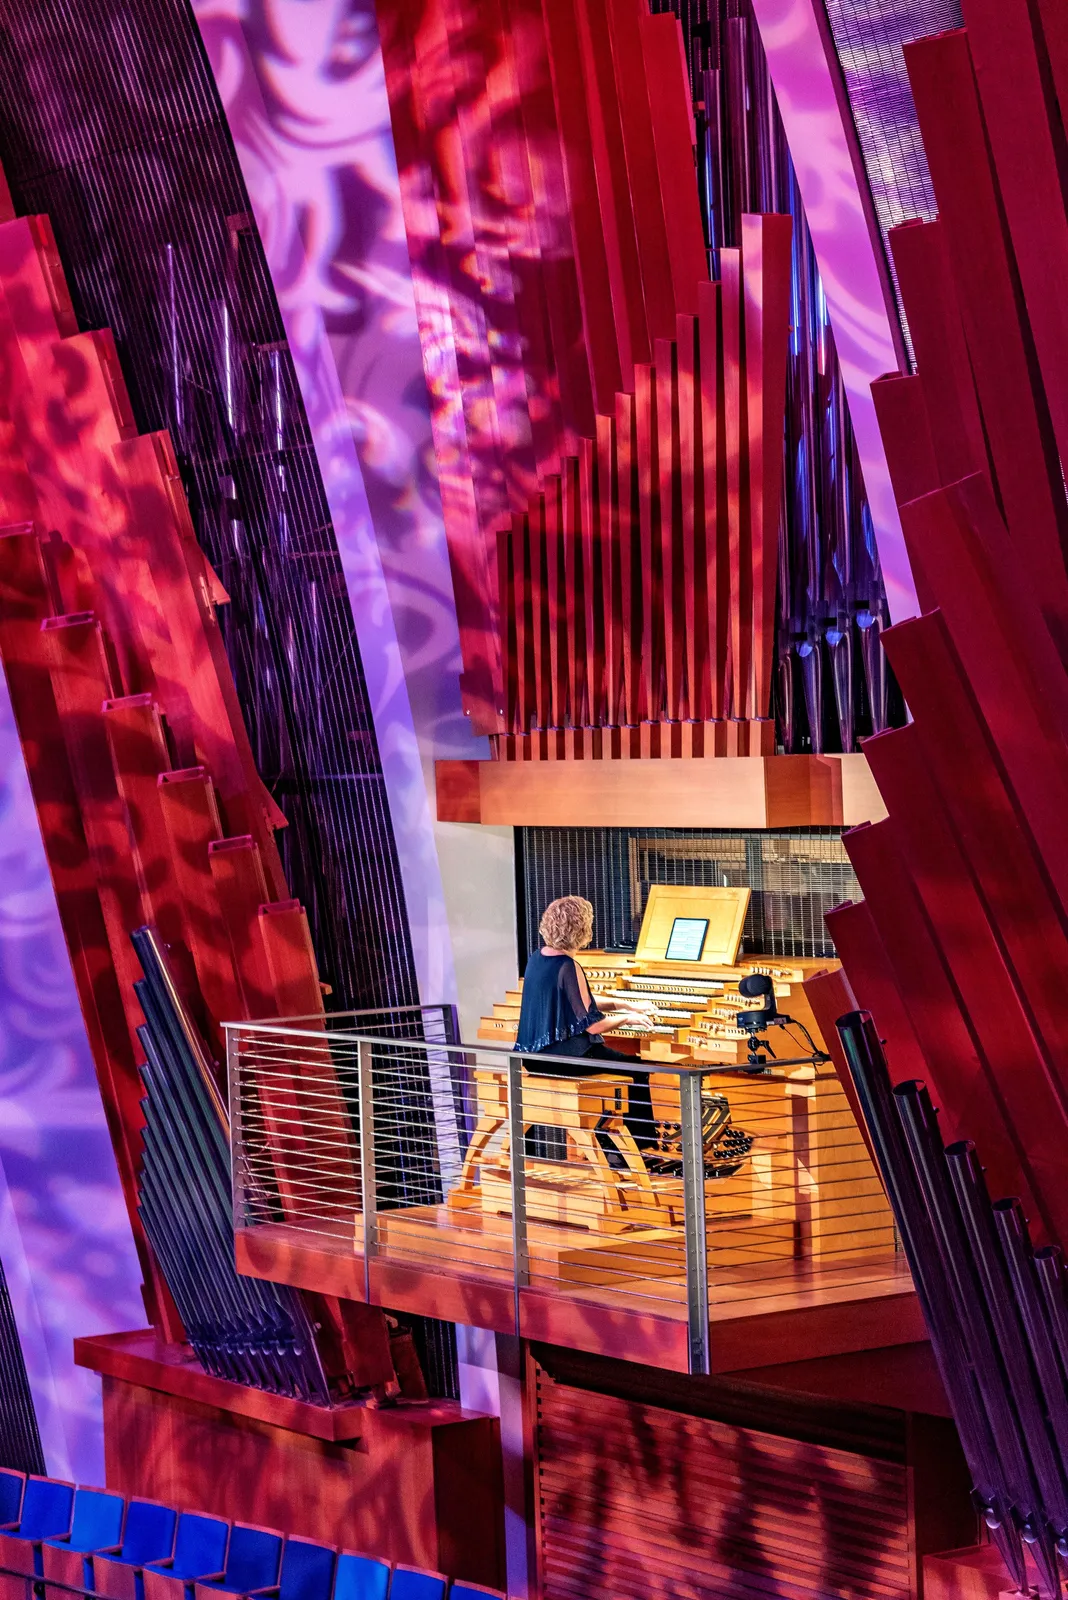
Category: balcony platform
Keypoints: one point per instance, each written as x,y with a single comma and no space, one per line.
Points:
763,1313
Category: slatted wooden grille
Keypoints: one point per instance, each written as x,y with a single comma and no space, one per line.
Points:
638,1501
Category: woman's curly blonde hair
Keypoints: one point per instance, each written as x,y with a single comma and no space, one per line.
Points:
567,924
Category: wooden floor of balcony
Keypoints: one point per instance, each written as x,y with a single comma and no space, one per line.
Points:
761,1311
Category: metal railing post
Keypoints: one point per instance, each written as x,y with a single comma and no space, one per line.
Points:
517,1147
365,1065
237,1138
693,1201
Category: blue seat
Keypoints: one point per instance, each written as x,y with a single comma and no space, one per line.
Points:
251,1562
199,1553
96,1525
361,1577
148,1536
409,1583
45,1514
474,1591
307,1570
12,1485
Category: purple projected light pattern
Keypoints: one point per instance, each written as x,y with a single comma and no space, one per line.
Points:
845,254
65,1237
305,97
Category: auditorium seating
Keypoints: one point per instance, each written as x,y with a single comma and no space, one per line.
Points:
148,1536
191,1556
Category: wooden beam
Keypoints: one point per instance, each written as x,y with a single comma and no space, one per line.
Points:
744,792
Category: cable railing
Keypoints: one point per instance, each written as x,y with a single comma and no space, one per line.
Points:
684,1195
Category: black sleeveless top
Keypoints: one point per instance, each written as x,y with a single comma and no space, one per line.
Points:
553,1016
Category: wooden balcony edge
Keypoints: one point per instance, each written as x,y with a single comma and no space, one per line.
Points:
725,792
839,1326
141,1359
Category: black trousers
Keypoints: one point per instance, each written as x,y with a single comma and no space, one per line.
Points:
588,1064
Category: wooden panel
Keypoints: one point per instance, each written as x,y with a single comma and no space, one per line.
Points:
750,792
635,1501
414,1484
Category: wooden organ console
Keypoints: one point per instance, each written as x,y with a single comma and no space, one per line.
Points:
694,1003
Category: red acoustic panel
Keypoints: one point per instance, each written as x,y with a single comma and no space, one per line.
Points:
241,889
925,277
623,22
766,280
1010,69
1018,895
1014,672
191,817
874,984
674,138
735,441
714,496
1022,1100
574,116
1015,411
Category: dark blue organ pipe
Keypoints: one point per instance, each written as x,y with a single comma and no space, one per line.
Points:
240,1328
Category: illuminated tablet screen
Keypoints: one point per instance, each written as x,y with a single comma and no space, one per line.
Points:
687,939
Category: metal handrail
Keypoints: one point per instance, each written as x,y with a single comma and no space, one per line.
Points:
345,1128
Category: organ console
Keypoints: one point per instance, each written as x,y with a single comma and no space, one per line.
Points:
692,1003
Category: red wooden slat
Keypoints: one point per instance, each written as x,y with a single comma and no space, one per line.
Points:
856,939
573,591
611,568
508,642
598,85
557,611
766,270
625,19
714,495
674,139
1010,75
994,618
691,531
468,554
1014,409
241,888
650,641
524,622
575,115
670,546
734,439
1021,1090
1020,900
541,625
595,599
921,260
191,817
25,601
629,548
557,268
